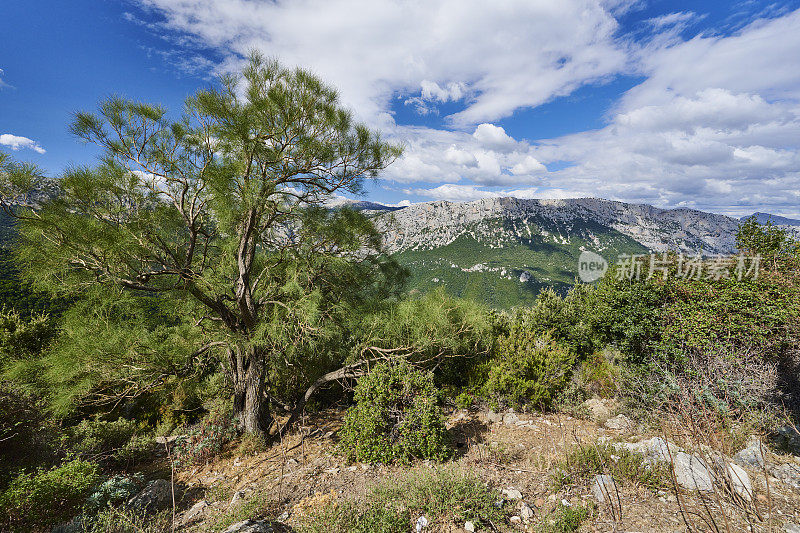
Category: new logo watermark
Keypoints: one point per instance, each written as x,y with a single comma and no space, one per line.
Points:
592,266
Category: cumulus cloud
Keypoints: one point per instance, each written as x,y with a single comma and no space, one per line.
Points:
15,142
714,124
521,55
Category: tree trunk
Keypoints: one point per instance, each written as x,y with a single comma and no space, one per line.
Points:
250,406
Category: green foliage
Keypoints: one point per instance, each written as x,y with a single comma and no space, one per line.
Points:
34,501
600,375
452,334
347,517
23,338
118,442
121,520
582,462
396,417
527,369
28,437
564,519
445,495
18,293
113,491
772,243
204,441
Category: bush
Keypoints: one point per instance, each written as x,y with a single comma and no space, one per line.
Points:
599,374
27,435
205,441
527,369
117,441
583,462
564,519
445,495
34,501
396,417
114,490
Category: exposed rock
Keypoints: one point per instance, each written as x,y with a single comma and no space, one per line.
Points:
469,526
599,409
740,481
791,528
620,423
604,488
752,455
421,524
511,493
250,526
692,473
510,418
195,511
788,438
525,512
493,417
156,495
788,473
655,450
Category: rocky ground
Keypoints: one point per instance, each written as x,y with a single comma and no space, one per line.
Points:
752,490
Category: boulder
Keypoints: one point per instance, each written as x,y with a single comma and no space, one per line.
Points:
739,481
620,423
250,526
511,493
525,512
692,473
599,409
195,511
604,488
155,496
752,455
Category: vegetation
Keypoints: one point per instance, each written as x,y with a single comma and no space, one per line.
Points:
196,285
396,417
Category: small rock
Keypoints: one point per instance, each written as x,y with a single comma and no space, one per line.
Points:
352,468
469,526
604,488
740,481
788,473
421,524
525,512
333,470
791,528
156,495
691,472
250,526
788,437
510,419
511,493
599,410
493,417
194,512
515,519
752,455
292,462
620,423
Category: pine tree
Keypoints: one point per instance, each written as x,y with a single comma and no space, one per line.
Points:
223,212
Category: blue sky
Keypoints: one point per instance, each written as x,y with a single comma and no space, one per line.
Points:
676,104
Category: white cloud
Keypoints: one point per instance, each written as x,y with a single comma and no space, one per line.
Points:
714,124
15,142
494,137
2,83
520,55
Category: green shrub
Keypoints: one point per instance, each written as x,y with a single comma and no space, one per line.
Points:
113,491
34,501
396,417
117,441
599,374
564,519
583,462
205,440
28,438
528,368
444,495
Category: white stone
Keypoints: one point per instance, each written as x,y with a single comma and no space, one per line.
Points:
511,493
604,487
691,472
525,512
469,526
740,481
